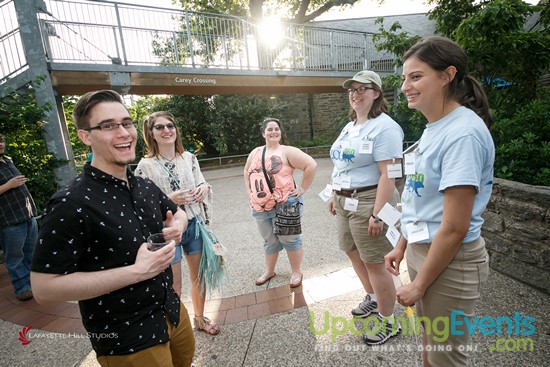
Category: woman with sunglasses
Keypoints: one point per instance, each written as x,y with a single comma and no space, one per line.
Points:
368,148
177,173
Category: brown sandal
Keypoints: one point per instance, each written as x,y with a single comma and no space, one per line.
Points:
204,324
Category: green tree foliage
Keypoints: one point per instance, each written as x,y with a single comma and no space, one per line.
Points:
522,142
501,51
448,14
296,11
207,40
390,40
214,125
192,117
80,150
235,124
21,122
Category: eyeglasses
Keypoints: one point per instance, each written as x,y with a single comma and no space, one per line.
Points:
160,127
360,90
112,126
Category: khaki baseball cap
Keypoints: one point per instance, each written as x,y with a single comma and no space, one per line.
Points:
366,77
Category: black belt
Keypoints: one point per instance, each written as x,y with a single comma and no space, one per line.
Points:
348,192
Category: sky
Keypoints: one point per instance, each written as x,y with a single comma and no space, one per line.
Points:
362,9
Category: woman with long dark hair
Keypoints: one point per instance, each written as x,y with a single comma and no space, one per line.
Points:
445,196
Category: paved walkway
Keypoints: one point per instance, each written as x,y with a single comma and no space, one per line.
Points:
271,325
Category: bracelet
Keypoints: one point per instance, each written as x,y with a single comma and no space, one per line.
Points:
376,220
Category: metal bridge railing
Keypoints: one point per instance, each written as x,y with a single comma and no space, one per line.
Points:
102,32
12,55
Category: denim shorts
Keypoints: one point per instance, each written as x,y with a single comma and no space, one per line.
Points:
274,243
189,244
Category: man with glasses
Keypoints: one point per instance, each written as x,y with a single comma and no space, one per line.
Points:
18,228
92,248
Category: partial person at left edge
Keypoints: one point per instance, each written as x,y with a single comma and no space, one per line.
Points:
92,248
18,228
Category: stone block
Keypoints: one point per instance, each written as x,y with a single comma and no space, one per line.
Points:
545,259
493,222
523,272
499,244
525,255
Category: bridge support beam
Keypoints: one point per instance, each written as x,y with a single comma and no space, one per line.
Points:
120,82
56,133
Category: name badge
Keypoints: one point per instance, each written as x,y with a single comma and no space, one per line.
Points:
346,181
389,215
326,193
417,231
410,163
393,235
366,147
351,204
337,183
394,170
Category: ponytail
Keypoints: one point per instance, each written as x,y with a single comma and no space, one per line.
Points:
471,95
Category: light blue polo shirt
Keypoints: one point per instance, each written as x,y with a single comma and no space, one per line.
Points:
454,151
387,142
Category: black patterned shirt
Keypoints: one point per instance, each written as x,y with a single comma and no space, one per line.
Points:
98,223
16,205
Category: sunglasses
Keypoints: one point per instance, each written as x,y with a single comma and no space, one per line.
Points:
160,127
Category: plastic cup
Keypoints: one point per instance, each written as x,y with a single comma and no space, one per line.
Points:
156,242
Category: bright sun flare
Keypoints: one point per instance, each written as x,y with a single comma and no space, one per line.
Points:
271,32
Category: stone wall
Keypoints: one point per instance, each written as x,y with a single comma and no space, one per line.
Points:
517,232
308,116
296,116
327,109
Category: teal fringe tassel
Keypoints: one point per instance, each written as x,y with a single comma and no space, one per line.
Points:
211,267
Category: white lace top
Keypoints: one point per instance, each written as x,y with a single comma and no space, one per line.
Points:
181,173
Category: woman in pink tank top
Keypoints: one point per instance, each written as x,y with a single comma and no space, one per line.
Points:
268,180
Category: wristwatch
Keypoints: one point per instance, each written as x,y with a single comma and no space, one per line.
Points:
376,219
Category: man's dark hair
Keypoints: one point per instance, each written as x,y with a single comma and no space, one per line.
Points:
89,101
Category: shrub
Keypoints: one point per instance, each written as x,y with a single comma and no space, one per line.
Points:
522,144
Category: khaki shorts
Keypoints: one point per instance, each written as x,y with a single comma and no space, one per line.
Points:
456,289
177,352
353,227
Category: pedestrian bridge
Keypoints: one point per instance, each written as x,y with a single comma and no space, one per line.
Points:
89,45
76,46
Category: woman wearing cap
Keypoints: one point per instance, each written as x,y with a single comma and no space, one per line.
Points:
367,145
